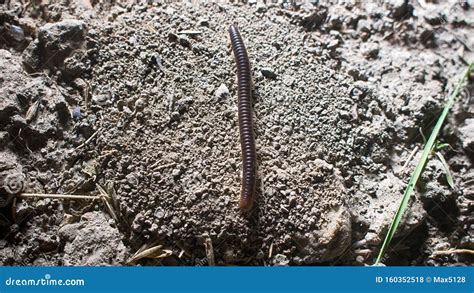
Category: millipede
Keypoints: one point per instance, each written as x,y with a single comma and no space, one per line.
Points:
247,141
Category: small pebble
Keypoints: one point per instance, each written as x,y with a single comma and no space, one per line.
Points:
268,73
222,91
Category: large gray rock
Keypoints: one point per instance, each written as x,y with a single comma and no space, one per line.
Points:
55,42
29,106
92,241
10,78
328,243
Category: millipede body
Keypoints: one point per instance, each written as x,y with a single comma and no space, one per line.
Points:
249,159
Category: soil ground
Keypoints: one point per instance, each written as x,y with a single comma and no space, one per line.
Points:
138,101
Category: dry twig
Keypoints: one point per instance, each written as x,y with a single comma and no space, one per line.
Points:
106,198
59,196
89,139
209,250
453,251
152,252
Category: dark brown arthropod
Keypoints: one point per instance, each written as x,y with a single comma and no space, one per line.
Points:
249,158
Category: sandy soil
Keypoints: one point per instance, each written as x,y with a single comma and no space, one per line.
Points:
138,102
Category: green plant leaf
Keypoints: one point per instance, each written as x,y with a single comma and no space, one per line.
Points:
441,146
449,177
420,166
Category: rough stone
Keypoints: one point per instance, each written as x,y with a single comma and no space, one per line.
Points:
92,241
268,73
56,41
466,135
222,91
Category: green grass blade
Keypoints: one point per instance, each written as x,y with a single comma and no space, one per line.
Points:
420,166
449,176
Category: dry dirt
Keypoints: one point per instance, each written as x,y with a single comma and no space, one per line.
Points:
140,100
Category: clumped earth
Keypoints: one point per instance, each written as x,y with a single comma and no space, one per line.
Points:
138,102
